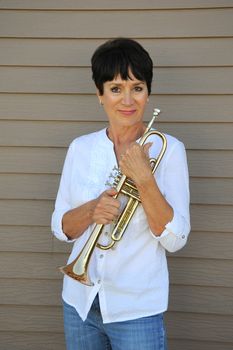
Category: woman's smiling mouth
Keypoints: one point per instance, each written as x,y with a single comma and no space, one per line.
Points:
127,112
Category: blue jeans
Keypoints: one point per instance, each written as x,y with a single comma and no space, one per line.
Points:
146,333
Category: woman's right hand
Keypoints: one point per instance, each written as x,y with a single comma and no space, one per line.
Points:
102,210
107,208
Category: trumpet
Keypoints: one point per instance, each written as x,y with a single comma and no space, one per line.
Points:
78,269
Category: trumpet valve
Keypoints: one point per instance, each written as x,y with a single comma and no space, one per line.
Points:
116,176
117,179
115,168
108,184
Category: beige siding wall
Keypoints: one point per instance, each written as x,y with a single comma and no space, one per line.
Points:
47,98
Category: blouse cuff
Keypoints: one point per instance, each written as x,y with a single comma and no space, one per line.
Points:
57,227
174,227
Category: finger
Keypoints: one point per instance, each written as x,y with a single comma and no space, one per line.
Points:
105,217
111,192
107,201
146,147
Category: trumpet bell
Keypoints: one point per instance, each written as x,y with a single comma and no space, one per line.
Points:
71,271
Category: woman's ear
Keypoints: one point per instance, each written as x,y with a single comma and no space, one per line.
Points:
99,97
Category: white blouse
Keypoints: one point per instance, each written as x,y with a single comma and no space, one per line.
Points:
131,279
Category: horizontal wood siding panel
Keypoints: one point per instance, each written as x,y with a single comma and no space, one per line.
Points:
68,80
179,52
210,163
175,108
28,186
28,212
32,265
200,272
45,186
206,300
175,344
210,191
32,340
58,134
44,134
35,318
31,160
72,24
44,160
30,292
200,327
186,271
219,245
212,218
115,4
31,239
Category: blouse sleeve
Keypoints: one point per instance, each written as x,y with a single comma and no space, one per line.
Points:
62,203
176,184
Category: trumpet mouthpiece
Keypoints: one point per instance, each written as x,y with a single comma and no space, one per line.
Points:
156,112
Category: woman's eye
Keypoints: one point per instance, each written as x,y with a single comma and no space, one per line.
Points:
115,89
138,88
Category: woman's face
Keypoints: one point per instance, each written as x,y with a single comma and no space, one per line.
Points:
124,101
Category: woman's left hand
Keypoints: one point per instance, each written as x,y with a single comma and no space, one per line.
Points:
135,164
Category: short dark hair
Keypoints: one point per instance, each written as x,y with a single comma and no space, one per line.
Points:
117,57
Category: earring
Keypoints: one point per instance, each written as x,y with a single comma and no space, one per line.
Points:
101,103
148,99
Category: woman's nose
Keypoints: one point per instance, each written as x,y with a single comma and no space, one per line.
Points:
127,98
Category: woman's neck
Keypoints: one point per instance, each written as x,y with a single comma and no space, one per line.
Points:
124,136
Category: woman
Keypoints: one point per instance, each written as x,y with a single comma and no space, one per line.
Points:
124,308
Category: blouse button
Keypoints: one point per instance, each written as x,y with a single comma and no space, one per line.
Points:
183,236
